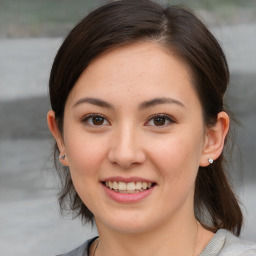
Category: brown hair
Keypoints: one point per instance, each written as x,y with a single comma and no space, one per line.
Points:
127,21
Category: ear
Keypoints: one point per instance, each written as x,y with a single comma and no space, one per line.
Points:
53,127
214,139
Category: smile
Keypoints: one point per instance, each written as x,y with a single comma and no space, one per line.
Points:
130,187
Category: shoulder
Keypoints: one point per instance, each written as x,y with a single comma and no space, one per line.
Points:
82,250
237,247
226,244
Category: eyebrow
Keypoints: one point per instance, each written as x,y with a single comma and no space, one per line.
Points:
159,101
142,106
94,101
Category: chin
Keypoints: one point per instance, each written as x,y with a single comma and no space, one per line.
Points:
128,223
131,229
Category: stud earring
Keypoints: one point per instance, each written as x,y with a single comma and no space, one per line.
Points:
62,157
210,160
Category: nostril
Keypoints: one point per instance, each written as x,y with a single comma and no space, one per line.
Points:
126,154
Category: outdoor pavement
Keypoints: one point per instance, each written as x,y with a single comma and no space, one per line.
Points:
30,223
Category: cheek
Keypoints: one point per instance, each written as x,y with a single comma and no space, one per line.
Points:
176,156
85,154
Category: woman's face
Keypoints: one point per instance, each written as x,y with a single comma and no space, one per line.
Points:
134,138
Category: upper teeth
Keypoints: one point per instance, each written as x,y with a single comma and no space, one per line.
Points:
130,186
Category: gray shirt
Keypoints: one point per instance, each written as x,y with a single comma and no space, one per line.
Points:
222,244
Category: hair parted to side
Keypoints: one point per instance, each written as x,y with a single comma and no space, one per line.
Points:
177,29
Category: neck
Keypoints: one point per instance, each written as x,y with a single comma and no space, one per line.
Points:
172,239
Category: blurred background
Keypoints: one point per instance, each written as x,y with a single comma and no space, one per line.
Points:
30,33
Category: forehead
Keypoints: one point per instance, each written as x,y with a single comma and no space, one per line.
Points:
136,59
143,69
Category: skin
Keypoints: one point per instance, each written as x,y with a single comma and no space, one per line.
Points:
128,141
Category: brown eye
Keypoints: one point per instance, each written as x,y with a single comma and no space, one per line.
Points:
159,121
97,120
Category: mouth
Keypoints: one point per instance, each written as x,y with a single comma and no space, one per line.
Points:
128,187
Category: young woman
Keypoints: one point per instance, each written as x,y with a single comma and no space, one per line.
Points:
138,116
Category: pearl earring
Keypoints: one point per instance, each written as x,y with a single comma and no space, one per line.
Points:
210,160
62,157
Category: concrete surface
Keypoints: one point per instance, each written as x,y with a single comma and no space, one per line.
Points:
30,223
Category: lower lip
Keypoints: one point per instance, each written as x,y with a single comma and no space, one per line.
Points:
127,197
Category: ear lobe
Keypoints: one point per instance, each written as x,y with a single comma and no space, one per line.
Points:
53,127
214,139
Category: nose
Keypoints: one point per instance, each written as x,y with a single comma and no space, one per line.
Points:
126,148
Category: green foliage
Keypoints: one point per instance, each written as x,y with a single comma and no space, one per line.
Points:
215,4
41,17
37,18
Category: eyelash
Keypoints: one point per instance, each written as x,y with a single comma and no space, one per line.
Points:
165,117
91,116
